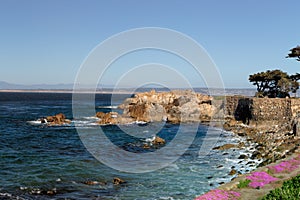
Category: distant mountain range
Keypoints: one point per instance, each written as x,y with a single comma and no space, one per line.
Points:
10,86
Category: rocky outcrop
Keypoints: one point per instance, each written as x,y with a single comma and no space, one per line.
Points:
57,119
113,118
173,106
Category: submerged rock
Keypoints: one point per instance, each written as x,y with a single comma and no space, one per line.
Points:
118,181
158,141
91,182
38,191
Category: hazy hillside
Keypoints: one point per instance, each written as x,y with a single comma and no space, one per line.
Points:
10,86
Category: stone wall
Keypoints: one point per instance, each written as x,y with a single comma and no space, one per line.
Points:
295,106
258,111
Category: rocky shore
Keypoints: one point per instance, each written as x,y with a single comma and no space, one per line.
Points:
270,124
269,128
271,143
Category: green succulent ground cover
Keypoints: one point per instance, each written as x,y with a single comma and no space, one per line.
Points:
290,190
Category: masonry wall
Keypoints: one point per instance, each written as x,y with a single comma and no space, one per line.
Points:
295,107
256,110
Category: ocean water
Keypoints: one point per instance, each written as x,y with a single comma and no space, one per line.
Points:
52,162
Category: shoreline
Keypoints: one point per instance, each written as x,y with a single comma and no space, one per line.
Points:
257,193
231,187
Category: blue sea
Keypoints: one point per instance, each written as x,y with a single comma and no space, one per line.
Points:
52,162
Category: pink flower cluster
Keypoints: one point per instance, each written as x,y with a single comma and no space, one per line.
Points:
259,179
219,195
286,166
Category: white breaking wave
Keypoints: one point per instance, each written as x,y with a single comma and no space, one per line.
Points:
37,122
91,118
111,107
150,139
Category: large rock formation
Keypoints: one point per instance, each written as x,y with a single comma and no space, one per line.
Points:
173,106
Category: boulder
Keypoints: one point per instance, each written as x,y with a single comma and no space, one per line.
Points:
50,118
225,147
241,145
158,141
256,155
60,117
108,118
243,156
113,118
91,182
181,100
100,115
147,112
232,172
207,112
190,112
118,181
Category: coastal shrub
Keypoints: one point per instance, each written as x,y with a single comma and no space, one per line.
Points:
274,83
290,190
219,195
243,183
285,166
260,179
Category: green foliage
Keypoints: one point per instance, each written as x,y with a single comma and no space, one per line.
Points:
295,53
290,190
274,83
243,183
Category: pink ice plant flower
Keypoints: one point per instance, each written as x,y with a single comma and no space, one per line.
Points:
260,179
286,166
219,195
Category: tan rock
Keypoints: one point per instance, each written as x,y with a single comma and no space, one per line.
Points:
57,119
118,181
174,106
158,141
225,147
100,115
232,172
50,118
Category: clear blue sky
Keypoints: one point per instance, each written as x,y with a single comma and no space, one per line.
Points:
45,41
